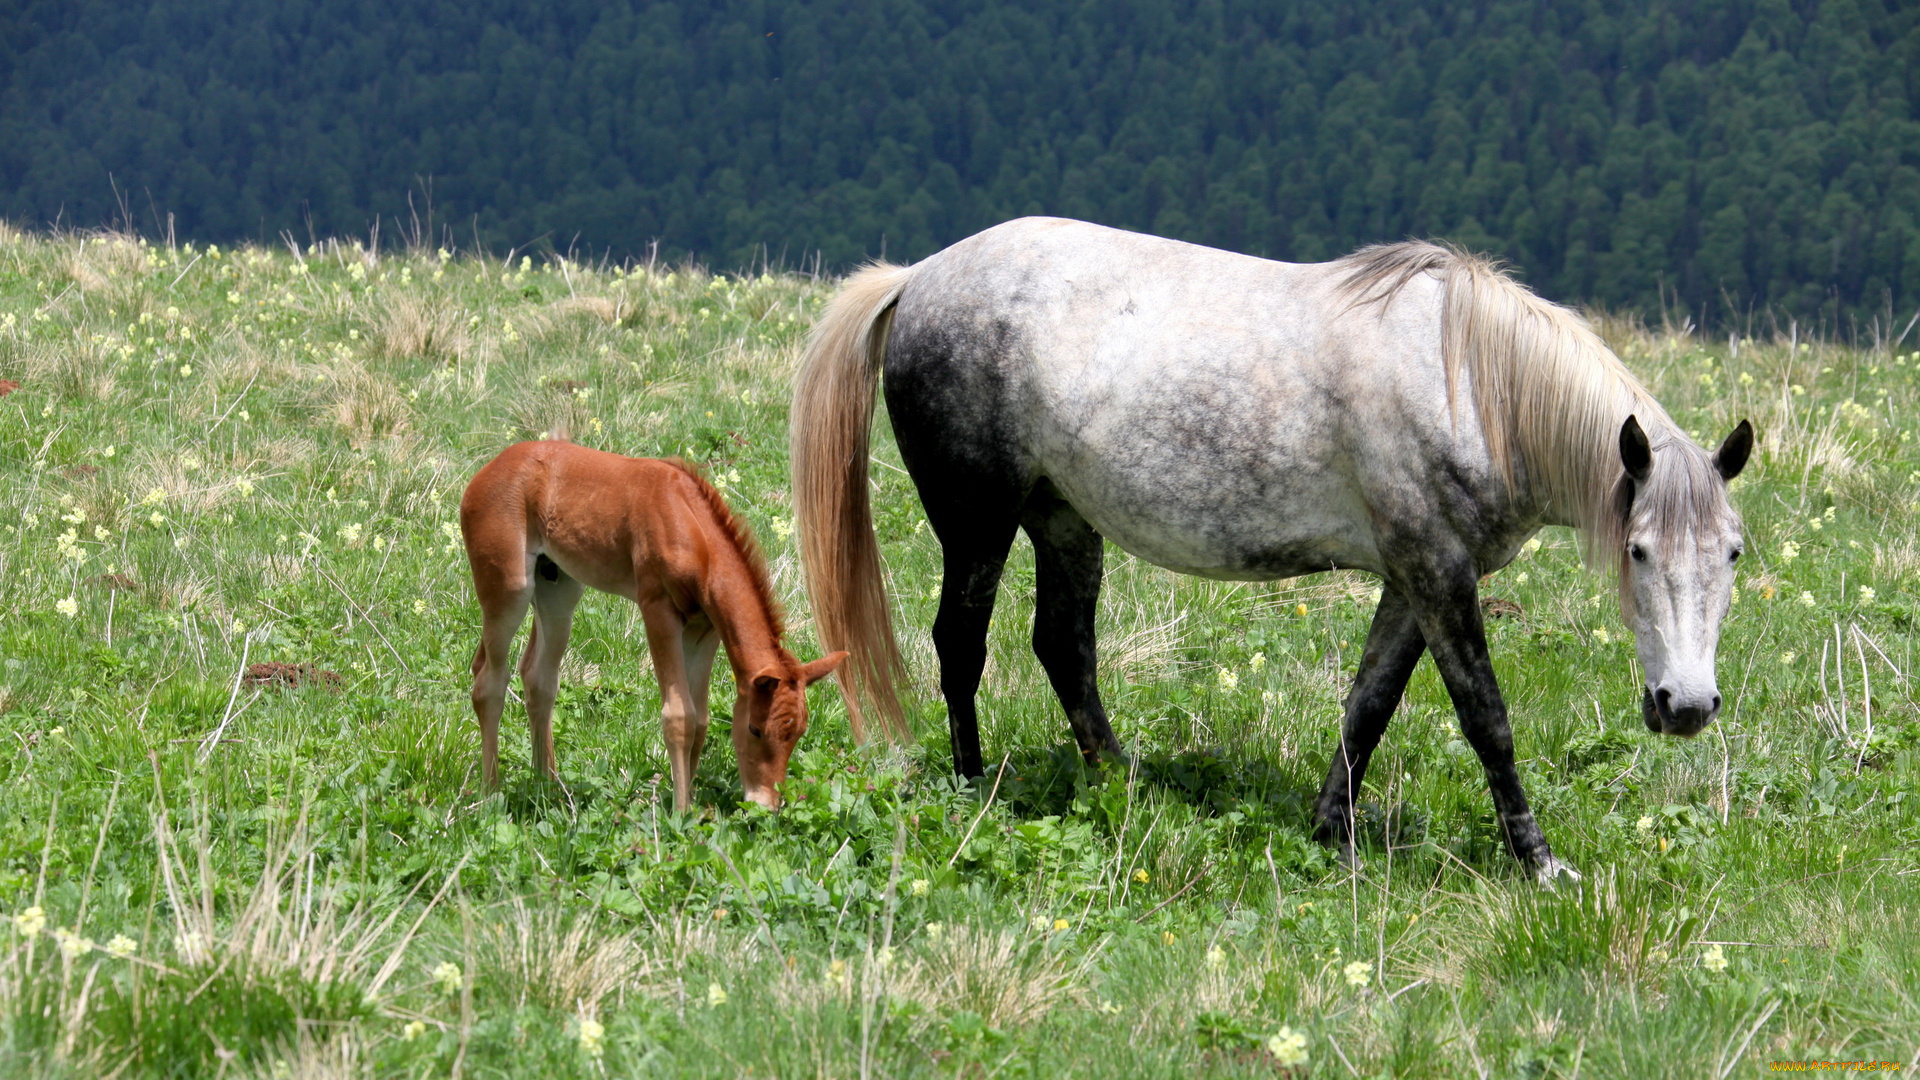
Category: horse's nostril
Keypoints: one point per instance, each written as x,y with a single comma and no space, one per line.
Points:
1663,699
1716,703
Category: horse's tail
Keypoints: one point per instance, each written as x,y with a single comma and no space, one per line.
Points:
832,418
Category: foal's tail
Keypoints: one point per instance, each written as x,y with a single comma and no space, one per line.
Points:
832,418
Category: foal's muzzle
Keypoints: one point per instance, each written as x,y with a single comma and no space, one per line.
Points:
1667,714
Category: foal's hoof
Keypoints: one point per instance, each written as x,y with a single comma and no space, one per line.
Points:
1548,870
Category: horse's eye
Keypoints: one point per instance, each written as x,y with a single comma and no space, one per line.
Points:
1639,553
755,732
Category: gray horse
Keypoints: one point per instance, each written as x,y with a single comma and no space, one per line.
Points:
1407,410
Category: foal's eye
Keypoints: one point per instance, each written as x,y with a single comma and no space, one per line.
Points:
755,732
1639,553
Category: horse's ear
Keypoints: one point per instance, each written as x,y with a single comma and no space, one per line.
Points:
767,680
1635,454
1732,455
821,668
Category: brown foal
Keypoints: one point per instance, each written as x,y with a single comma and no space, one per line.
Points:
544,520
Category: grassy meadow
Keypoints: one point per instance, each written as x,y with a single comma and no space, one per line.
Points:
212,459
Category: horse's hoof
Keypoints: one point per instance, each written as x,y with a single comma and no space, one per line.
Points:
1548,869
1343,854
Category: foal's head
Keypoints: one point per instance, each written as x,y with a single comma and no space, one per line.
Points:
1682,538
768,719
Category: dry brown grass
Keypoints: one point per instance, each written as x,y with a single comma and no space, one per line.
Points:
364,404
1007,979
290,922
78,367
98,262
600,308
1898,561
184,481
315,1052
416,327
1146,625
566,961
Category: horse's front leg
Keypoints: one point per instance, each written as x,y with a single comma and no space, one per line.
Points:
1447,608
1394,645
683,724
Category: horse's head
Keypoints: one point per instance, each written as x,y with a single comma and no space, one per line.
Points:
1682,538
768,719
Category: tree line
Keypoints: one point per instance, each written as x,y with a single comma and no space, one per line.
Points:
1712,157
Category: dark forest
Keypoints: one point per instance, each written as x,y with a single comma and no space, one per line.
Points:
1719,159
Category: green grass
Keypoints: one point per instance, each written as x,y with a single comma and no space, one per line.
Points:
257,455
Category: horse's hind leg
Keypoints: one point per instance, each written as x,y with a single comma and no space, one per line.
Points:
972,555
1068,555
554,597
1393,648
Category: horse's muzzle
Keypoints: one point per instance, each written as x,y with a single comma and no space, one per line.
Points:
1665,716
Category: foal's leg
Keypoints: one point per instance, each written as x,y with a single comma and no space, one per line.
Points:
554,597
1447,606
699,642
1068,554
683,725
1393,649
972,556
501,583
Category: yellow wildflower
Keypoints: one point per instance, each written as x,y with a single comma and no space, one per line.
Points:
591,1034
71,943
1288,1047
31,921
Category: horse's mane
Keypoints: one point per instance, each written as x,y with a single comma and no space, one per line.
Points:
1551,397
737,532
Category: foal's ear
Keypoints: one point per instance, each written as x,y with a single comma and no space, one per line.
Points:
767,680
1732,455
1635,453
821,668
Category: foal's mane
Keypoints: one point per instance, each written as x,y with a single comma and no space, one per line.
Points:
737,533
1550,396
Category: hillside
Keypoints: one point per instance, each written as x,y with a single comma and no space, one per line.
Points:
1716,158
212,459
